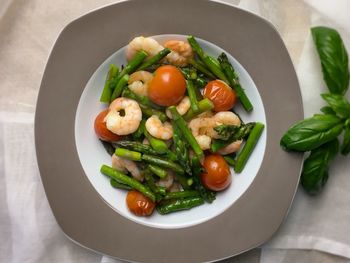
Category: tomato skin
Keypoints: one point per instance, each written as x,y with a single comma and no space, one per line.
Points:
139,204
167,87
101,130
222,96
218,175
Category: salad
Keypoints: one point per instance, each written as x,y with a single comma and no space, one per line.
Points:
170,125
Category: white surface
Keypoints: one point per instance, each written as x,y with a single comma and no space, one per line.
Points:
92,153
28,231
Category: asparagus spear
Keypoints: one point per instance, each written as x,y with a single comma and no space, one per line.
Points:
143,100
181,194
107,91
124,179
147,111
160,191
201,67
192,95
160,172
139,133
127,154
108,147
203,105
184,181
155,59
209,61
231,161
187,134
179,204
249,146
118,185
181,149
136,146
200,82
158,145
133,64
197,170
234,81
162,163
120,86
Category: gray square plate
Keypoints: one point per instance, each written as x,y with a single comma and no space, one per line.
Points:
82,214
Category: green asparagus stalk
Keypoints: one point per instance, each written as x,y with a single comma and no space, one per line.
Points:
139,133
181,149
234,82
148,112
183,180
203,106
249,146
201,67
158,190
187,134
107,91
108,147
133,64
155,59
197,170
231,161
122,83
136,146
158,145
181,194
209,61
143,100
118,185
200,82
162,163
160,172
124,179
179,204
192,95
127,154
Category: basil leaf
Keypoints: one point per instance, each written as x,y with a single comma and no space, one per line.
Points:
315,169
312,132
327,110
338,103
334,58
345,148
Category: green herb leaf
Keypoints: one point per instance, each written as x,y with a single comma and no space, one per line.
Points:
338,103
315,170
327,110
334,58
345,148
311,133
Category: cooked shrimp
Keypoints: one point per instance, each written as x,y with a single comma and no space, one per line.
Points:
200,128
124,165
127,124
156,128
222,117
231,148
183,106
151,46
138,82
180,53
227,117
166,182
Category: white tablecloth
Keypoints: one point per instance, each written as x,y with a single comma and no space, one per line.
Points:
28,231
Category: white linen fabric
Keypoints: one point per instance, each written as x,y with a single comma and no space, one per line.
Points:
28,230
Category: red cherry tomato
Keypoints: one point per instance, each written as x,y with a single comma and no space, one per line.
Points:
217,176
101,130
139,204
167,87
223,97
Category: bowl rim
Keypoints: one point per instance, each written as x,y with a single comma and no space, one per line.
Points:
72,211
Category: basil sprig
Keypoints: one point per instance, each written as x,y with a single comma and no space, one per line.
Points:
319,134
315,170
334,58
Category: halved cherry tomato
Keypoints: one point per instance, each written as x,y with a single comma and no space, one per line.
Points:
139,204
217,176
223,97
167,87
101,130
